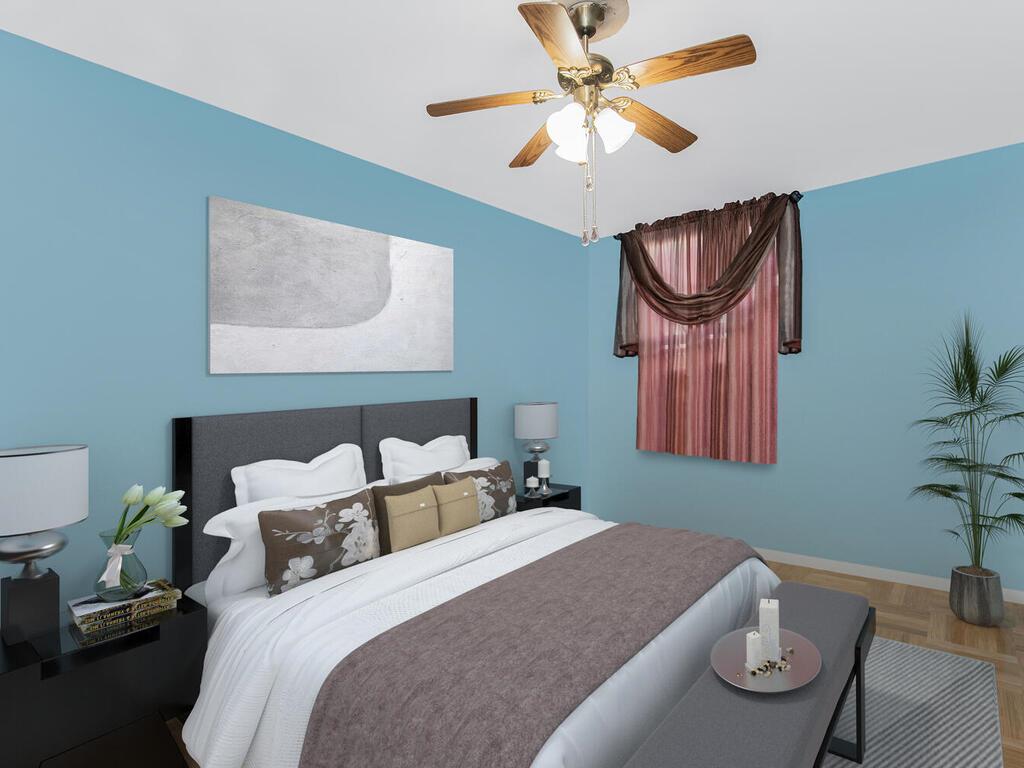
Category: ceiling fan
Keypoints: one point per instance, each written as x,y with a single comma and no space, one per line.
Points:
566,29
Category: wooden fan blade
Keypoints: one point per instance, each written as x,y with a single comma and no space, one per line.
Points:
735,51
551,24
487,102
533,149
656,127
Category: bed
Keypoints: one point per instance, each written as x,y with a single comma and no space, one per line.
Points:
269,657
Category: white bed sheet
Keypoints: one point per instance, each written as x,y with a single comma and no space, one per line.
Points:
197,592
267,658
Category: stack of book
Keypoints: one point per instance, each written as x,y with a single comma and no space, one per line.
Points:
98,620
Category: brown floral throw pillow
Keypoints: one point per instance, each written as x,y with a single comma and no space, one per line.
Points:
307,543
495,489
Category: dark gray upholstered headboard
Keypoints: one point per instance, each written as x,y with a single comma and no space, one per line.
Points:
206,448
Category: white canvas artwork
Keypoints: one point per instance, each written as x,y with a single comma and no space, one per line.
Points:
291,294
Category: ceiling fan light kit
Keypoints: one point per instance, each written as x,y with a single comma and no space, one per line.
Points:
566,29
613,129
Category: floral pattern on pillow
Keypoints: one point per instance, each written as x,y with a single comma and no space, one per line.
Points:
495,489
309,542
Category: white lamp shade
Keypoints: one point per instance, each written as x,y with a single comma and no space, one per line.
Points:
575,152
613,129
43,488
536,421
566,125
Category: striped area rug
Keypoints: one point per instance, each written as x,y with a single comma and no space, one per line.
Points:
926,709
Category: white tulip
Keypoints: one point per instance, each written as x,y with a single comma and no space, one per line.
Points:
176,511
172,496
174,522
132,496
164,508
154,496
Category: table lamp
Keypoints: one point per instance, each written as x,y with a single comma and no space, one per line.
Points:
536,423
41,489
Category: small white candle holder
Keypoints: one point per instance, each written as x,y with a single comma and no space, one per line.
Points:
532,485
544,473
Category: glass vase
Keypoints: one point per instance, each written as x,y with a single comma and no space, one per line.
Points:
133,572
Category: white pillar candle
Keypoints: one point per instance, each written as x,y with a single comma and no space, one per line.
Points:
532,482
768,613
543,468
754,657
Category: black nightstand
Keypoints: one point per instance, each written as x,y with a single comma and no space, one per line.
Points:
58,698
565,496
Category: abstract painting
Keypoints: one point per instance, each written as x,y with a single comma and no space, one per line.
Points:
292,294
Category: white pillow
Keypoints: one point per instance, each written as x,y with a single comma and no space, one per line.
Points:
469,466
338,469
243,567
402,460
485,462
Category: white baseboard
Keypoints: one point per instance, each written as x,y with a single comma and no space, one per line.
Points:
873,572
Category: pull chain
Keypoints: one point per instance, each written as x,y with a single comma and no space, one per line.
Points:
590,233
589,165
593,184
585,238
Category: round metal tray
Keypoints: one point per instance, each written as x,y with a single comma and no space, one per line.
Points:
729,656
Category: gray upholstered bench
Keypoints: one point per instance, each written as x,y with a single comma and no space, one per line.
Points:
716,725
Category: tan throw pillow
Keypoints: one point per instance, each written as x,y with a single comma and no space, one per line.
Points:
309,542
382,492
412,518
495,489
457,506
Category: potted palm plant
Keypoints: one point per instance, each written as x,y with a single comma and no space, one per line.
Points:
971,404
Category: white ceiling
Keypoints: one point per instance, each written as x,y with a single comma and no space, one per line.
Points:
841,90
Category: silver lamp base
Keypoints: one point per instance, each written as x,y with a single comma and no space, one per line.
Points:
537,447
30,547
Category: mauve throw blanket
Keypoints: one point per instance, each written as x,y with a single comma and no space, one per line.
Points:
484,679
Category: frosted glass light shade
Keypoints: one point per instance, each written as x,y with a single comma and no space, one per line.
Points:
575,152
566,125
613,129
43,488
536,421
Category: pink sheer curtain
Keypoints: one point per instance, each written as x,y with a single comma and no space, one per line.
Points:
710,389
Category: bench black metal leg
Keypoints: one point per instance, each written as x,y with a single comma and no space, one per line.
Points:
841,747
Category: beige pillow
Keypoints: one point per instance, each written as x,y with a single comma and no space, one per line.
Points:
412,518
381,493
457,506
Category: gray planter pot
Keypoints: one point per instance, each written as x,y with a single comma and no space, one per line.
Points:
976,599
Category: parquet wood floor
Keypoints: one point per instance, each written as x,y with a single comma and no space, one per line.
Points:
922,617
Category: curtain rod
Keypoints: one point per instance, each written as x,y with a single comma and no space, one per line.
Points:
796,196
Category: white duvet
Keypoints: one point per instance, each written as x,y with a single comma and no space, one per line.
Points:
268,657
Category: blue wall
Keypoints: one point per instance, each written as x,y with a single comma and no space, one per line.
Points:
103,304
890,263
103,187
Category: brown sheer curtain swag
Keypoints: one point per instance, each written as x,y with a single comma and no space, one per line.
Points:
638,276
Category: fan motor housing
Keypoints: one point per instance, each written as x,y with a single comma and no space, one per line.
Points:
602,73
